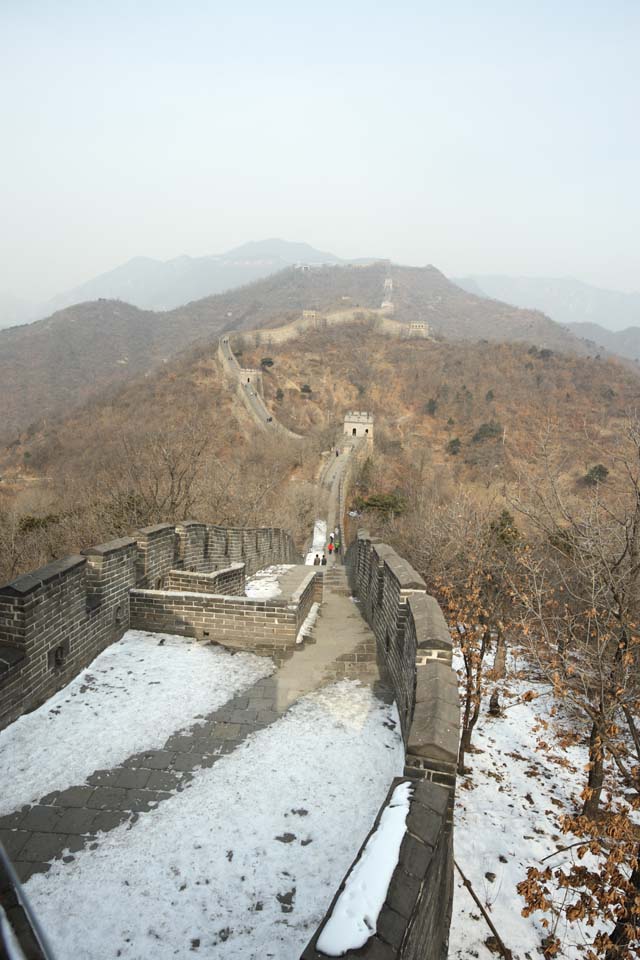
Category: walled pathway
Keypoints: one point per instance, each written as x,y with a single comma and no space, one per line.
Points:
64,822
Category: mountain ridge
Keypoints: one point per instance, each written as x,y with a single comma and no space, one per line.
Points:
54,364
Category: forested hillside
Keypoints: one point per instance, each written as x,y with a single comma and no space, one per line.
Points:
446,414
48,367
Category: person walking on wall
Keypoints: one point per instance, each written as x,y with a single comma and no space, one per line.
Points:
323,562
316,560
330,547
336,544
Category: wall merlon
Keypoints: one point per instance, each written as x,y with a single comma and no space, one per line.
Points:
122,545
46,576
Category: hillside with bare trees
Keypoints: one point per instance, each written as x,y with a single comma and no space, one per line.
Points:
49,367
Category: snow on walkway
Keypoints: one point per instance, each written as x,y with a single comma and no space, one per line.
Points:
319,540
244,862
507,819
265,584
133,697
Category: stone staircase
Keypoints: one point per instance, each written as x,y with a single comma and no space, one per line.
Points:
336,581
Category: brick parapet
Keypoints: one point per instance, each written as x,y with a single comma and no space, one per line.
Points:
415,646
229,580
414,921
55,620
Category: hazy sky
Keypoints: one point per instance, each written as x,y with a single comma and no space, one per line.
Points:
482,137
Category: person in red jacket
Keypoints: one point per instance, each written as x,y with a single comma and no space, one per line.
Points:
330,547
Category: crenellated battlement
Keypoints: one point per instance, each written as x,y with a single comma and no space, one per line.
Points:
55,620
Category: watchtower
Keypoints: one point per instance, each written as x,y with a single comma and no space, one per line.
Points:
358,423
419,328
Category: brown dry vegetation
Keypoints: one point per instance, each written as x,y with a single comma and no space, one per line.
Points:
86,478
521,389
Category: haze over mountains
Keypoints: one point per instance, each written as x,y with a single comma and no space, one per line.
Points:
609,318
165,284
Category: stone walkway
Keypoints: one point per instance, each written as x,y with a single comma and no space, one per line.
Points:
64,822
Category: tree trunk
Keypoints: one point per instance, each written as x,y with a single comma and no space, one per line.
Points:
596,773
465,744
620,935
500,658
494,704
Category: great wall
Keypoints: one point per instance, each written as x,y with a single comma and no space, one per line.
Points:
188,579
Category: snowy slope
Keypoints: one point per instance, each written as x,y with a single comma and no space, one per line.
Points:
523,779
133,697
242,863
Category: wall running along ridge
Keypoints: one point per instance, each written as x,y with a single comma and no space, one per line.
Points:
248,392
414,648
56,620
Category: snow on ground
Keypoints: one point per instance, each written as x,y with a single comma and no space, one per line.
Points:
265,584
133,697
507,819
355,914
308,623
319,540
243,863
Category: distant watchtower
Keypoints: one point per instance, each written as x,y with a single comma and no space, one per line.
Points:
358,423
419,328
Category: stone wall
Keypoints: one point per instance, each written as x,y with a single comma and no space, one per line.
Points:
229,581
414,652
56,620
268,627
414,921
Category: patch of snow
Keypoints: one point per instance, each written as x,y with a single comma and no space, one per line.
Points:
134,695
265,584
507,814
355,915
308,623
245,860
319,541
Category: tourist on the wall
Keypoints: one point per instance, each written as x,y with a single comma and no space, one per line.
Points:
316,560
330,547
323,562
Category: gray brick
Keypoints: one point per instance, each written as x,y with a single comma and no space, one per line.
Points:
42,819
41,847
13,841
129,778
74,797
76,820
107,798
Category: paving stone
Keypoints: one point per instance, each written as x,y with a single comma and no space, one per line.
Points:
103,778
129,778
13,841
108,819
226,731
41,847
107,798
403,892
157,760
164,779
266,717
74,796
76,820
25,869
50,798
12,820
42,819
182,743
244,716
140,801
185,761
